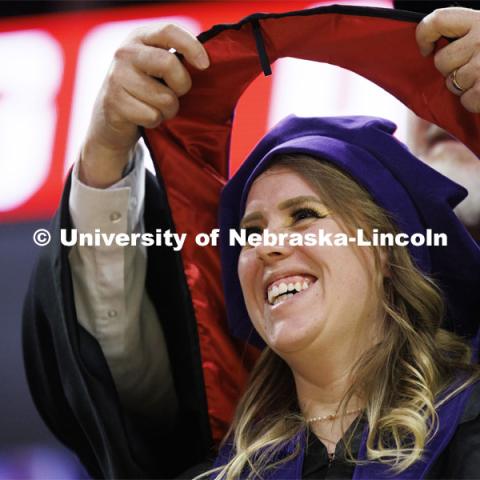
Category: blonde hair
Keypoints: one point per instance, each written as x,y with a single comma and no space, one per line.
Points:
400,378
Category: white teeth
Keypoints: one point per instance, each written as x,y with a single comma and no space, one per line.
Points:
279,293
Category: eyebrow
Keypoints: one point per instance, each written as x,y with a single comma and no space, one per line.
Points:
291,202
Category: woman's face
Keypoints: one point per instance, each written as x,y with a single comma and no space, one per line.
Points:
334,300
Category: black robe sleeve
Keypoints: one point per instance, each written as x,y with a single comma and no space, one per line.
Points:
70,380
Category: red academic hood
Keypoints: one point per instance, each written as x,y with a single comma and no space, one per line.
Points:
191,150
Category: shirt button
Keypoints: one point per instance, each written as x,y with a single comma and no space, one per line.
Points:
115,217
112,313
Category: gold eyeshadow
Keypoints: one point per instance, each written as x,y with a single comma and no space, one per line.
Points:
292,205
315,208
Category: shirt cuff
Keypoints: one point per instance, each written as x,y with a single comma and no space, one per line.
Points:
115,209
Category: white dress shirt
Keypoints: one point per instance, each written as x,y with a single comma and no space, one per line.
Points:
110,297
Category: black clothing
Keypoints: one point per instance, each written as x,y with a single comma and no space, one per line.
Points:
460,460
71,383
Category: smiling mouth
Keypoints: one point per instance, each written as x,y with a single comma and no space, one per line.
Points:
281,290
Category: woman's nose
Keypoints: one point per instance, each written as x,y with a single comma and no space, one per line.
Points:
272,253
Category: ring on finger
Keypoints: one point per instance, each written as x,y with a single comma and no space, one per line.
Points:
455,82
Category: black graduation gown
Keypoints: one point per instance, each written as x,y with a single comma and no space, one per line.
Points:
70,380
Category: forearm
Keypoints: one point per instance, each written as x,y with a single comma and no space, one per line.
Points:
110,298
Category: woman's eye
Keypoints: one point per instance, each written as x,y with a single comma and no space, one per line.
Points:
250,230
304,213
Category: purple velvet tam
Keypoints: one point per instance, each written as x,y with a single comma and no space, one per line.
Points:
417,197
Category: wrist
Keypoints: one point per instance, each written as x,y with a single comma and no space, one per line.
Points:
101,167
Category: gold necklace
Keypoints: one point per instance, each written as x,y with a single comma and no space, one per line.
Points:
333,416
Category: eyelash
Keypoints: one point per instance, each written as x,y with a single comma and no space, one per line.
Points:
297,215
310,212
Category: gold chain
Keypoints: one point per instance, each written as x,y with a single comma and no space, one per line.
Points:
333,416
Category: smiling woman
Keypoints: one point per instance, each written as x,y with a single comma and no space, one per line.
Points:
300,319
358,361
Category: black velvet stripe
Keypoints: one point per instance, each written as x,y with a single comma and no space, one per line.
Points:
387,13
262,52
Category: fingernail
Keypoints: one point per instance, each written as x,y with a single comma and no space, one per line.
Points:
202,61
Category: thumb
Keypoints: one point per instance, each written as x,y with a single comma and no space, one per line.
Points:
452,22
